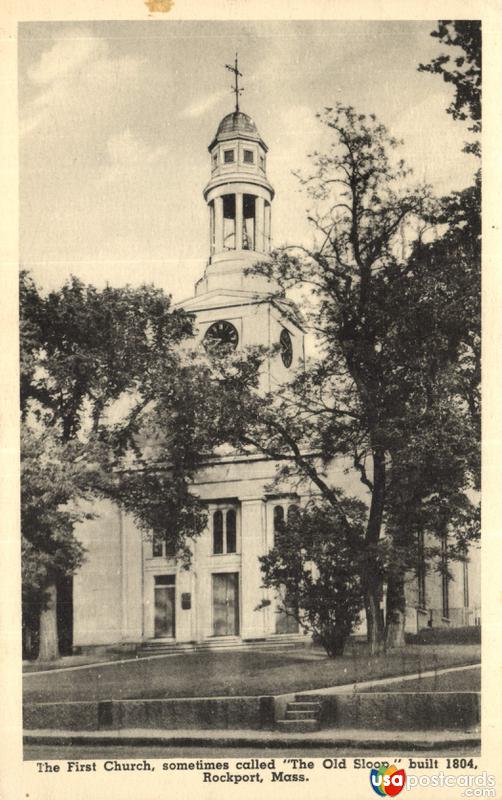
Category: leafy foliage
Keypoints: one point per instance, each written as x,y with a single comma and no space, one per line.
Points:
315,566
51,478
98,368
394,388
82,349
463,70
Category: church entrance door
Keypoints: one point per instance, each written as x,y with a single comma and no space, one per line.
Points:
226,604
165,606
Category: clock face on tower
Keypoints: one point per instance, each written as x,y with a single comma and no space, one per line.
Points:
222,333
286,348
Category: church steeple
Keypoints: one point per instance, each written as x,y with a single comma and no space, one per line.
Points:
239,198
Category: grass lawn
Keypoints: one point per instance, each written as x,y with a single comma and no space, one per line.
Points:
242,673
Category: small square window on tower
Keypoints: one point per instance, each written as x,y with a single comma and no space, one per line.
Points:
248,157
228,156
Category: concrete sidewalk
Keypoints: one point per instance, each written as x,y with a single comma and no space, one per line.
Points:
339,738
382,682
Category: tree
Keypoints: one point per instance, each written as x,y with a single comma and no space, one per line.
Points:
453,260
52,480
93,364
362,203
314,567
383,396
461,211
464,71
85,349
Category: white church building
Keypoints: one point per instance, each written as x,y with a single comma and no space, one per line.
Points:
131,592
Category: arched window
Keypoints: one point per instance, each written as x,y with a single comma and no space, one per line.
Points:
231,531
157,547
218,532
170,548
163,548
278,518
292,511
285,620
421,571
225,531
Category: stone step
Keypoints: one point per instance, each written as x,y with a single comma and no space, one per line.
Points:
154,648
297,725
293,638
175,647
304,706
167,646
293,714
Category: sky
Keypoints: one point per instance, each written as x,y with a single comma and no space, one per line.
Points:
115,119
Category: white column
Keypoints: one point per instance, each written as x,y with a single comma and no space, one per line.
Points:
267,228
238,221
259,224
211,228
252,545
218,223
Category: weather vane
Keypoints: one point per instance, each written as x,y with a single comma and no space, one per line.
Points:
235,87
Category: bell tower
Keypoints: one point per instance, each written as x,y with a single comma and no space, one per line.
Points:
233,305
239,197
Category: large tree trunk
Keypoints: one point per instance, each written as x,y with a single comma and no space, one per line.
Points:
27,641
372,579
396,613
374,621
49,645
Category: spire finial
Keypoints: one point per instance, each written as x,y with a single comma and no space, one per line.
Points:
235,88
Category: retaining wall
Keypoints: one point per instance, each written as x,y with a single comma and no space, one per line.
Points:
374,710
399,711
215,713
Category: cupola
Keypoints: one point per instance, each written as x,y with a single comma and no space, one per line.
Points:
239,198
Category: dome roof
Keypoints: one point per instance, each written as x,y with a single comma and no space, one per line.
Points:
237,124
